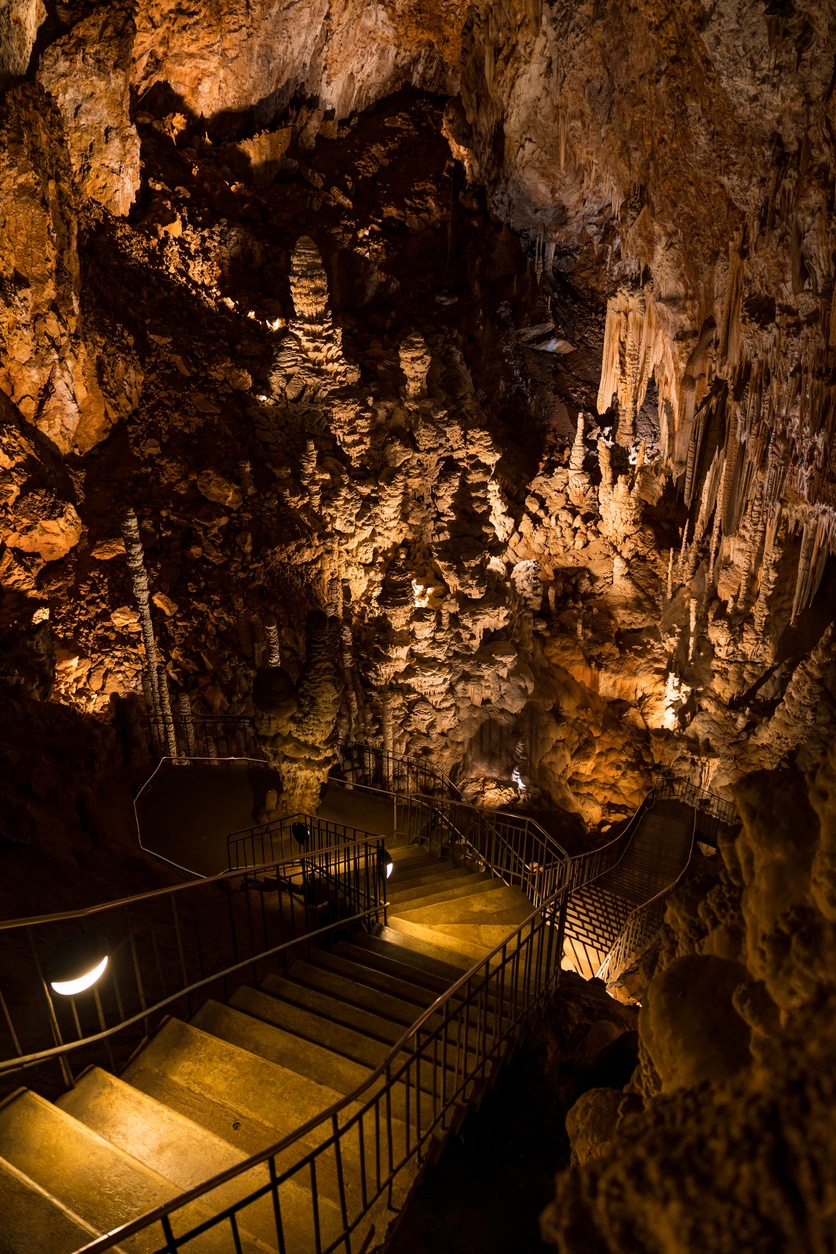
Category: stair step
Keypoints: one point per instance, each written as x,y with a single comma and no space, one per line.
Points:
341,988
432,872
238,1025
397,967
95,1180
500,907
183,1152
373,977
309,1026
232,1092
443,890
377,1027
442,956
34,1221
463,940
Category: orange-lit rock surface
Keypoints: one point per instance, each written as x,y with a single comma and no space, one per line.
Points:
336,359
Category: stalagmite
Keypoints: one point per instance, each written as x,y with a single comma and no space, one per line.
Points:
576,458
167,717
135,559
692,639
670,574
274,656
347,651
187,719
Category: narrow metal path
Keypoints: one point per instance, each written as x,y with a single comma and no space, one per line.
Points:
656,856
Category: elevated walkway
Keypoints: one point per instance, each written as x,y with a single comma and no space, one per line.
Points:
597,913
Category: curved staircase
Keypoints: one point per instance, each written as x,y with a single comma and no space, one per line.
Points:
207,1093
296,1112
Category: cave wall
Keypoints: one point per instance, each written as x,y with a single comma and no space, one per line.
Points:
306,426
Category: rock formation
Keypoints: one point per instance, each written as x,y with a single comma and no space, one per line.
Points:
292,324
470,372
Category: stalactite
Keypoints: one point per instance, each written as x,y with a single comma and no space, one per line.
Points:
769,581
714,550
670,575
680,570
806,567
725,492
755,528
692,640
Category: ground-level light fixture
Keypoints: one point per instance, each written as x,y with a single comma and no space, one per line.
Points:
385,863
77,964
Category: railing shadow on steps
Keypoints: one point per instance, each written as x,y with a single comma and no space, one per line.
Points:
168,947
441,1064
642,925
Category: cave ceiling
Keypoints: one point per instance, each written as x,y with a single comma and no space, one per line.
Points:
486,351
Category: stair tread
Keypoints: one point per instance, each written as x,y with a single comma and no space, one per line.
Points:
100,1183
179,1149
376,1026
374,977
452,964
376,1001
427,894
401,969
238,1025
262,1090
35,1221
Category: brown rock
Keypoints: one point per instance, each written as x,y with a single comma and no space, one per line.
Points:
93,94
219,490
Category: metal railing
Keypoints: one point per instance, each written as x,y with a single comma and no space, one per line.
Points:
642,926
366,1149
370,768
164,947
251,846
713,813
209,737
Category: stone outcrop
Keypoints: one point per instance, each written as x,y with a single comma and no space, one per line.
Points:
736,1049
87,73
632,590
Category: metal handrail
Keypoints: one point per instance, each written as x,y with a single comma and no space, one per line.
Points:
213,737
391,1070
393,764
168,943
641,924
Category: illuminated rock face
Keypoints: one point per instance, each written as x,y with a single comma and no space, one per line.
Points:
624,591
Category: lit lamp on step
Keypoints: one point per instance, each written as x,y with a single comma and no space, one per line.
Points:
77,964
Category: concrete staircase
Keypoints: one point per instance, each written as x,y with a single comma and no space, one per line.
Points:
202,1096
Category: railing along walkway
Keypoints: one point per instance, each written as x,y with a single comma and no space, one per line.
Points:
600,913
443,1059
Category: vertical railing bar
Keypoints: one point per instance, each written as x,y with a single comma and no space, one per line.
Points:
10,1025
315,1202
236,1236
277,1209
338,1156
